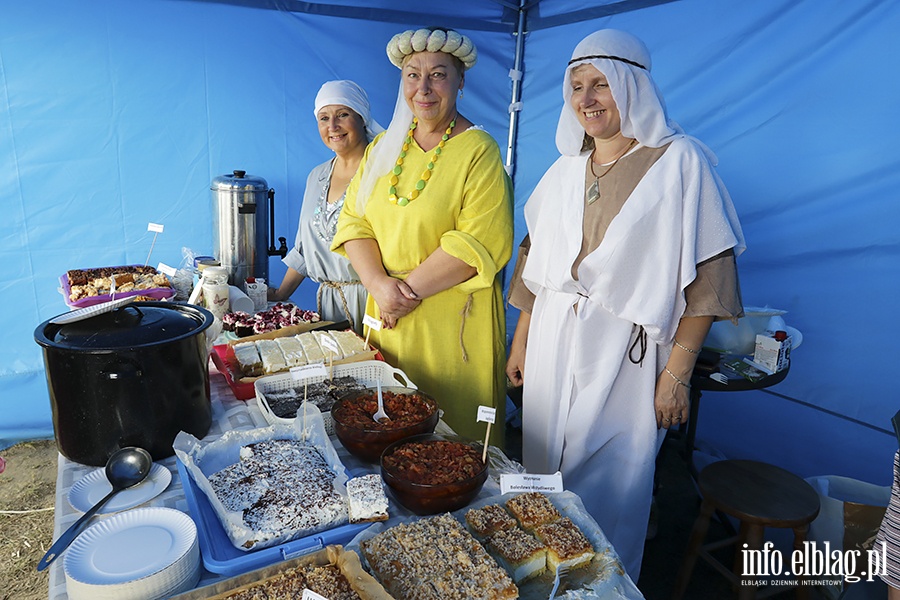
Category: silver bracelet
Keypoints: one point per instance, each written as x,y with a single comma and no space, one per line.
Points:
685,348
675,377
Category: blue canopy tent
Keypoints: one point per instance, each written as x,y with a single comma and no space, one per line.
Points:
114,115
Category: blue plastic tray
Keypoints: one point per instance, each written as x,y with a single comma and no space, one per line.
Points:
220,555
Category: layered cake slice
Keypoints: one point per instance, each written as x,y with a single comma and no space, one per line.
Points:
520,553
349,343
488,519
532,509
367,499
566,544
328,345
311,348
248,358
272,357
292,350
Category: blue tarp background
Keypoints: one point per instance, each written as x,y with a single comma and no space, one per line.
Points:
114,115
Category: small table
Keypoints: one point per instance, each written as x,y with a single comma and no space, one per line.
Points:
701,382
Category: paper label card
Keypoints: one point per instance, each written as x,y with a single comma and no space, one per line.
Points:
527,482
307,371
155,227
372,322
486,414
308,594
164,268
329,344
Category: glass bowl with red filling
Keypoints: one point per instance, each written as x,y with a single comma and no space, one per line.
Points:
411,411
433,473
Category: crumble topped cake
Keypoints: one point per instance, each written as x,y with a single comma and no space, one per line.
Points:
488,519
532,509
84,283
325,580
436,559
367,499
280,487
566,544
520,553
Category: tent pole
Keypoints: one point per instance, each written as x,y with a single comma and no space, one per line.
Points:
515,104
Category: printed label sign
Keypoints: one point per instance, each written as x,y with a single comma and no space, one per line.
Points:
155,227
307,371
329,344
526,482
372,322
308,594
486,414
164,268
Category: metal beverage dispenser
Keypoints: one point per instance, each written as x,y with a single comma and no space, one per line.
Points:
243,207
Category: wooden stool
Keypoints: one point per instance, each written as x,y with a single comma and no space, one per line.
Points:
759,495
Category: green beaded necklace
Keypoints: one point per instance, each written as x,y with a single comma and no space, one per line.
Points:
426,174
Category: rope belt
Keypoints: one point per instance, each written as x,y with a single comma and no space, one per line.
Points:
336,285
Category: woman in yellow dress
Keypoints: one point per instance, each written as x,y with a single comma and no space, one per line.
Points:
427,225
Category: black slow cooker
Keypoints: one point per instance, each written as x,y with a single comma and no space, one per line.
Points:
135,376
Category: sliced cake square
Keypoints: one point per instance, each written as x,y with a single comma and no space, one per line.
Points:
532,509
520,553
566,544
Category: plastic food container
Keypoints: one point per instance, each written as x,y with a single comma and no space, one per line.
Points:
368,372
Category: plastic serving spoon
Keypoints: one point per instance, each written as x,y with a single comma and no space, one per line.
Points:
380,415
125,468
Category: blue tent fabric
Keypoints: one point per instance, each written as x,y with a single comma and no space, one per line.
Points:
114,115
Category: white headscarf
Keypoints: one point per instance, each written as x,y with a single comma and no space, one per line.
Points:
625,61
384,154
347,93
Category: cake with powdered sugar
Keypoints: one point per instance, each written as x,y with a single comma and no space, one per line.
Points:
367,499
280,487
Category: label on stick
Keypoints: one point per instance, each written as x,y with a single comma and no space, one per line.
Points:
164,268
486,414
372,322
329,344
308,371
155,227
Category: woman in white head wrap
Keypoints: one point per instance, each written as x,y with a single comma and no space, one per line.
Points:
632,244
346,127
428,227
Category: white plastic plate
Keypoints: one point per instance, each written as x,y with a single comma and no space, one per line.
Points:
90,311
91,488
130,546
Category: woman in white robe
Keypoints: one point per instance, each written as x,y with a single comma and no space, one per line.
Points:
632,244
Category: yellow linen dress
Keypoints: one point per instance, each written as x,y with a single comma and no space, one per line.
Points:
453,345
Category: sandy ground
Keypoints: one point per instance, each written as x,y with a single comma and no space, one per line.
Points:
27,494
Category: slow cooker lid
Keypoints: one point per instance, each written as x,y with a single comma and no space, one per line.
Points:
133,325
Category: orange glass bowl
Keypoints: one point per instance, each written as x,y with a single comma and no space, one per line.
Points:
366,439
427,498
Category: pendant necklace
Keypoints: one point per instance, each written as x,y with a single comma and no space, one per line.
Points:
426,174
593,192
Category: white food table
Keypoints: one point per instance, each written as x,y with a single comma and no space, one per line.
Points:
228,413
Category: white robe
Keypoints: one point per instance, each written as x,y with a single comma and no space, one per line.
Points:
587,409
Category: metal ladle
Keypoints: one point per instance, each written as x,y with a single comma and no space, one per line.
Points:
125,468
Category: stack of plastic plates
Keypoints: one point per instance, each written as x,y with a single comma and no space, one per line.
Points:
141,554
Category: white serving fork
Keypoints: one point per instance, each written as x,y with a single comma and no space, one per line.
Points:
561,572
